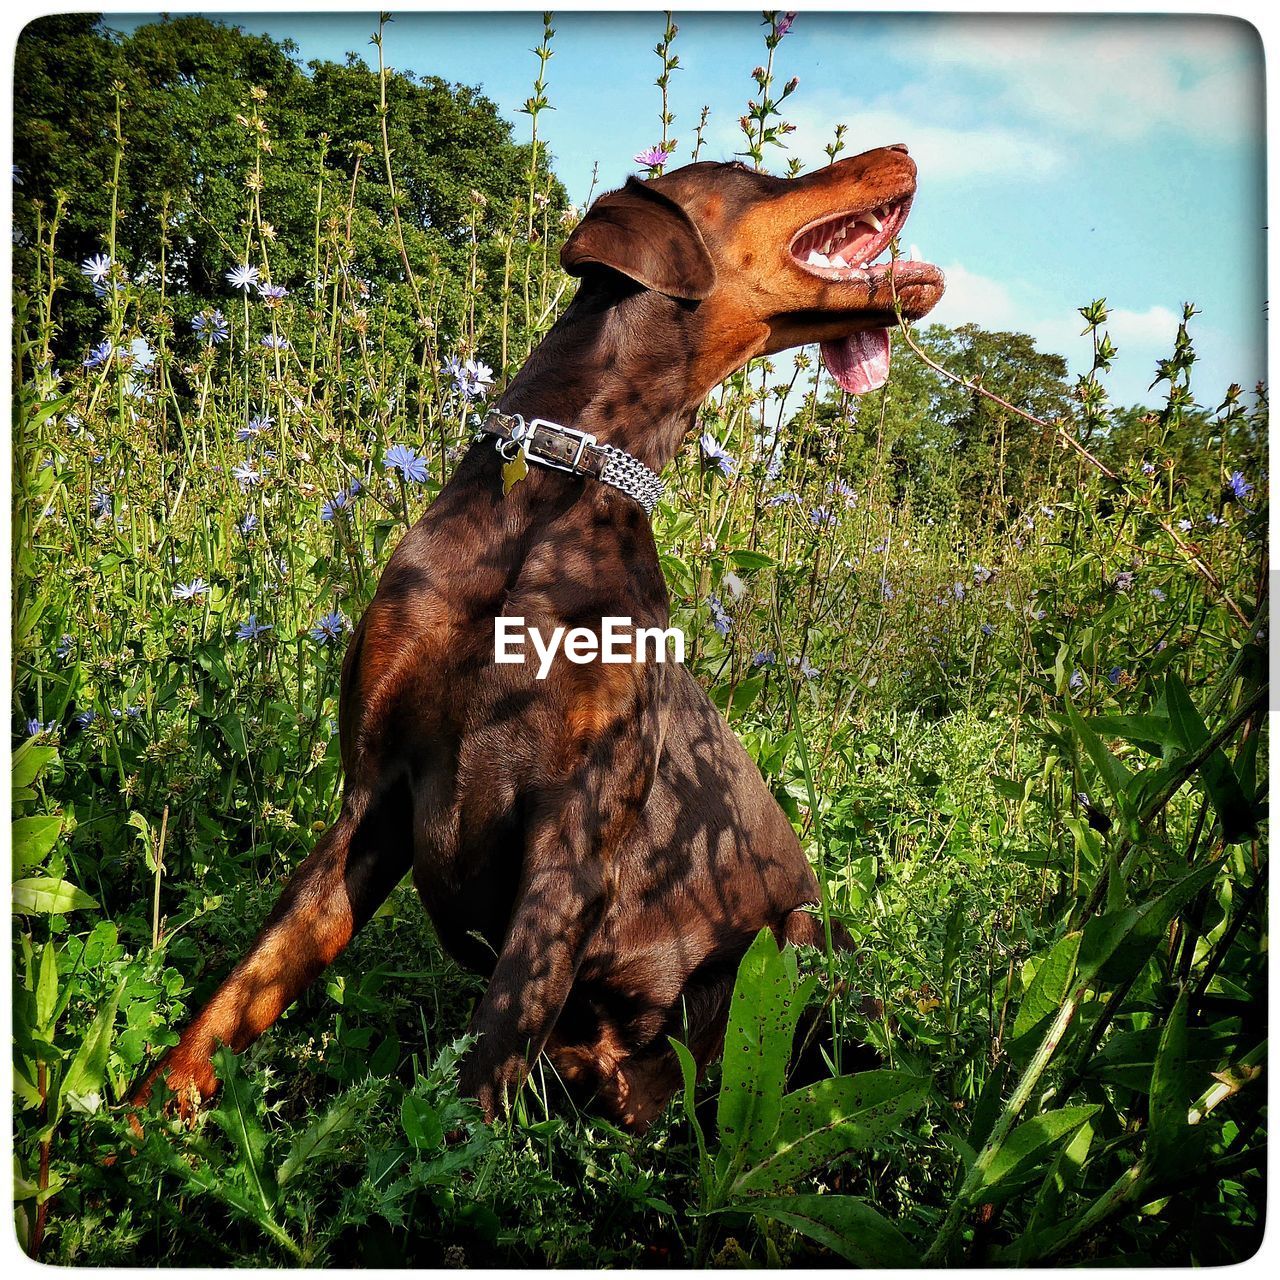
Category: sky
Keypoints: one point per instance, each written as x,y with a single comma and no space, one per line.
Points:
1061,158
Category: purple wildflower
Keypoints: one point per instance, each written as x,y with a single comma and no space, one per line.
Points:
715,454
192,590
98,355
255,426
1123,581
251,628
765,658
211,327
785,22
409,464
719,617
1238,486
653,158
329,629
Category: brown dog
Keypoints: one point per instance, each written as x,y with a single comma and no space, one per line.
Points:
602,829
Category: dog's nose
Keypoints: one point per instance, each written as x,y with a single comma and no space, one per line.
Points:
898,146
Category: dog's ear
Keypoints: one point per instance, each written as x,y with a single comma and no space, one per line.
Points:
647,236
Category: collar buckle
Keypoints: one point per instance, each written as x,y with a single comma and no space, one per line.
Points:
584,439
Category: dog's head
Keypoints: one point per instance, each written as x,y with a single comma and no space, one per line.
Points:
771,263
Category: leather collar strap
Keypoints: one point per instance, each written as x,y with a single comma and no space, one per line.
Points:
567,449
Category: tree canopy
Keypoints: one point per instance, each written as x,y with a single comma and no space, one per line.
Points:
212,117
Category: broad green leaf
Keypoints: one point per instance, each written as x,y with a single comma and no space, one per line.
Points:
1088,843
82,1081
987,1109
843,1224
1012,789
33,838
1235,812
829,1119
29,761
1172,1144
43,895
689,1077
1118,944
1113,773
735,698
1020,1151
1128,1057
1049,987
47,986
421,1123
752,560
1062,1178
763,1011
1152,733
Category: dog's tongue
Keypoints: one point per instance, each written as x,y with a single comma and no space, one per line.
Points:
860,362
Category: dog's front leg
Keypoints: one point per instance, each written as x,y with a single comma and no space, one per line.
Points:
561,900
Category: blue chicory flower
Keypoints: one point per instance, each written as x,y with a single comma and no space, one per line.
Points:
329,629
407,462
251,628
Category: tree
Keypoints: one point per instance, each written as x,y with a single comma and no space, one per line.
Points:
947,447
200,104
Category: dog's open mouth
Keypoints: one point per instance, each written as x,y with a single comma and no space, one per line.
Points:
843,249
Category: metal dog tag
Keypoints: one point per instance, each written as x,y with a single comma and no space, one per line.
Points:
514,471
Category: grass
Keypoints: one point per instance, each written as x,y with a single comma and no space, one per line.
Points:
1001,728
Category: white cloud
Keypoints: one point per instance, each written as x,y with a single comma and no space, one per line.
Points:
1141,337
946,153
971,298
1116,78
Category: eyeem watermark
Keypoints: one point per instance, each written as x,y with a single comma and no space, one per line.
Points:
618,640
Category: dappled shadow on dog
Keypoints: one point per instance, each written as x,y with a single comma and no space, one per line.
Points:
597,843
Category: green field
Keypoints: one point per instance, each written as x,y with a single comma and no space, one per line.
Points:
998,645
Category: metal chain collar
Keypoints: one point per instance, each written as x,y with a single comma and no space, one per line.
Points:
561,448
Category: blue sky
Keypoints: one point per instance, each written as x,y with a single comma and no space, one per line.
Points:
1061,158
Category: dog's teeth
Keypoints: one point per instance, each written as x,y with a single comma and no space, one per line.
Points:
914,254
872,221
838,261
816,259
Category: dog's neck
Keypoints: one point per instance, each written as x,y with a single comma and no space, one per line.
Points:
616,365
